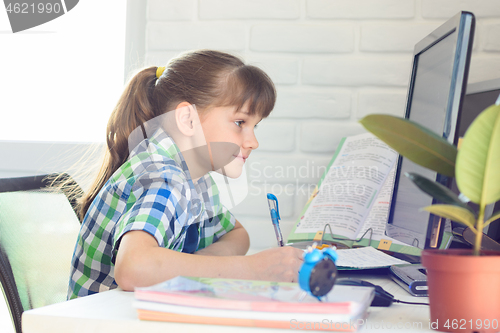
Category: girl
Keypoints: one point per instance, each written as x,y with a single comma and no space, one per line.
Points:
153,212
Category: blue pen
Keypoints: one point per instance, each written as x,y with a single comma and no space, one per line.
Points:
275,216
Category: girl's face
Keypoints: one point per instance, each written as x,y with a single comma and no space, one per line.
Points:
230,137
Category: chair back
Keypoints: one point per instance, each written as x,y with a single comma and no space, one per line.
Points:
38,232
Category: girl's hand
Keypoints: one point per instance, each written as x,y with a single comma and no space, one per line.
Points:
277,264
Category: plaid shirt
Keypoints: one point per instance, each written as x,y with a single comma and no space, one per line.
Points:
152,191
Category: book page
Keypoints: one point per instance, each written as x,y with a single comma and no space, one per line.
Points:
379,213
350,186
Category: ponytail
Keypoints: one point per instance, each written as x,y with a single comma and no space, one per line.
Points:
132,110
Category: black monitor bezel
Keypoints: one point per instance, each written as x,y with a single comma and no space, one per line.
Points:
464,23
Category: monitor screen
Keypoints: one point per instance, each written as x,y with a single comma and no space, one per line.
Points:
480,95
436,90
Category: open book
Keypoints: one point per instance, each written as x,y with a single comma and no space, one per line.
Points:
252,303
353,195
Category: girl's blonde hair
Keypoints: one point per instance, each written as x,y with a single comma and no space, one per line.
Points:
204,78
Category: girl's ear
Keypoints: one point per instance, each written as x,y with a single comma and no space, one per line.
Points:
185,117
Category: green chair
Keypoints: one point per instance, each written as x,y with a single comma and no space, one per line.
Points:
38,232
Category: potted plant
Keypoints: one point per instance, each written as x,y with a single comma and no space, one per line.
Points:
464,285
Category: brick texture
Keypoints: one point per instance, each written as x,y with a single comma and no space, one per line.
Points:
361,9
282,70
357,70
275,135
377,101
286,168
332,132
182,36
302,38
484,67
256,200
389,37
492,37
171,10
249,9
447,8
312,103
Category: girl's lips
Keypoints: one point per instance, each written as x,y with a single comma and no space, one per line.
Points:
243,158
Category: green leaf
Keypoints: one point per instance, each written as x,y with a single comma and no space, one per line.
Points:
414,142
454,213
495,216
437,191
478,160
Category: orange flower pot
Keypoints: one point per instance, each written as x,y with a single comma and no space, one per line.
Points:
464,290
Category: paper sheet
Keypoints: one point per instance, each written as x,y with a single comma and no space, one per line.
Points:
366,257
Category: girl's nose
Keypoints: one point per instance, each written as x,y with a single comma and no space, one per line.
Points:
251,141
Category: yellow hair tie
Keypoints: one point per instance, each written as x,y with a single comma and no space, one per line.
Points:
159,72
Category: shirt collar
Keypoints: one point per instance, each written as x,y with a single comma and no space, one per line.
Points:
170,148
163,140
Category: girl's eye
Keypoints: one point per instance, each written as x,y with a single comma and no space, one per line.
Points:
239,123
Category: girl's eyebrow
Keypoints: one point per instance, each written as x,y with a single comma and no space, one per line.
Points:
246,115
241,112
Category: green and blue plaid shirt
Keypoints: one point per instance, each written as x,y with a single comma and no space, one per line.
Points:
153,192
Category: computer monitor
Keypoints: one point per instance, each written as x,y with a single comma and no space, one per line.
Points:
479,96
436,90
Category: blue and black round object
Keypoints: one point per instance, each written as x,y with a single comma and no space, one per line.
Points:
318,272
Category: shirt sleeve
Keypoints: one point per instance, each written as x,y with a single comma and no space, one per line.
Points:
158,207
223,220
220,225
226,223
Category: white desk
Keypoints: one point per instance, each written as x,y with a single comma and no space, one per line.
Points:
112,311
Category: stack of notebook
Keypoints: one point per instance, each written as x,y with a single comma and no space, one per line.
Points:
252,303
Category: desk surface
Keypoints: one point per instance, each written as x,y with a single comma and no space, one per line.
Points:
112,311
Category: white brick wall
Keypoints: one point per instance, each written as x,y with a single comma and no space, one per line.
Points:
283,70
303,38
171,10
389,101
276,135
333,62
357,70
492,37
392,37
360,9
324,136
312,102
249,9
447,8
187,36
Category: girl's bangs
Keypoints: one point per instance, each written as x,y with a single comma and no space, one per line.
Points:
249,84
